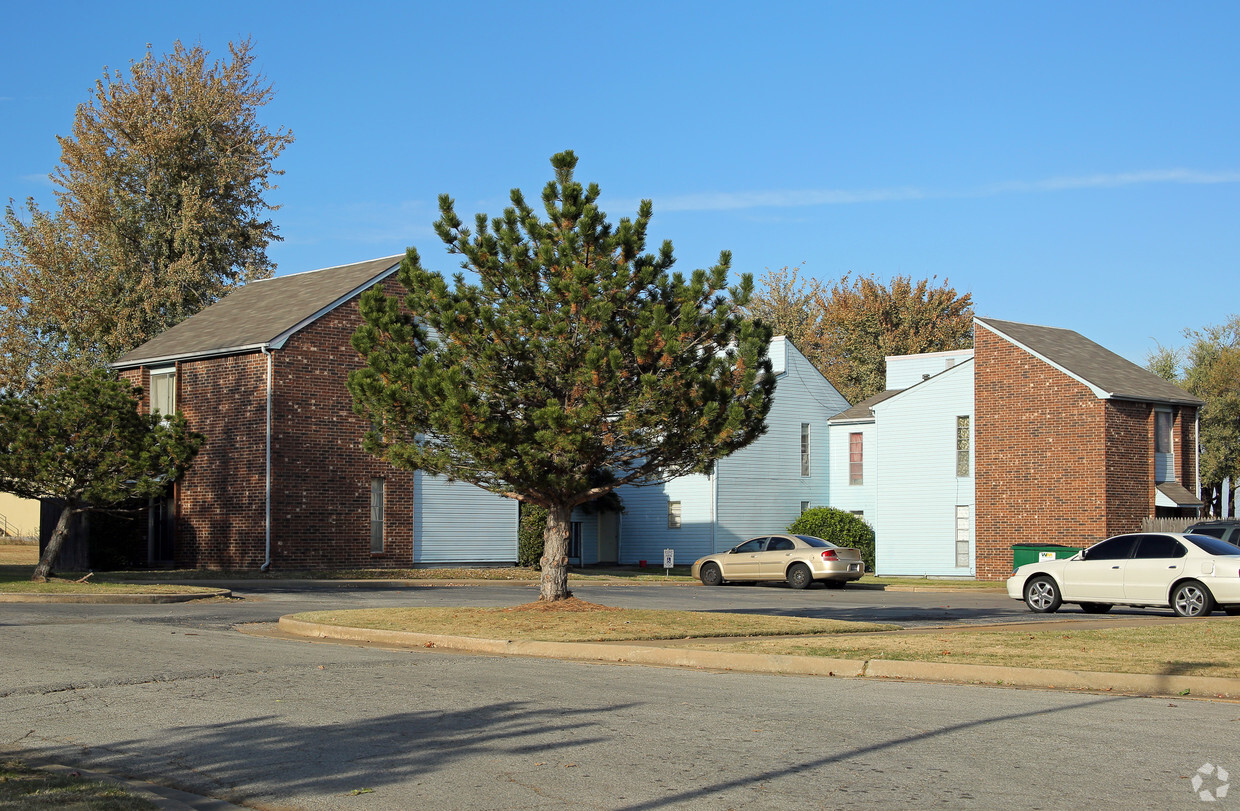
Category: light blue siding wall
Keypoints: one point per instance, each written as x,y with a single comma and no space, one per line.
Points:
851,497
919,493
760,488
904,371
644,533
455,522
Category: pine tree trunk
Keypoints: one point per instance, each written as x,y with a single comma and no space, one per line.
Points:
554,582
43,570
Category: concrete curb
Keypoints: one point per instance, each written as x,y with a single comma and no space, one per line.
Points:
1194,686
117,599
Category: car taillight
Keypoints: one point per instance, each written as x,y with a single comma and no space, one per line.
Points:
829,554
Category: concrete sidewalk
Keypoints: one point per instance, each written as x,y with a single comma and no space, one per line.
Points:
667,654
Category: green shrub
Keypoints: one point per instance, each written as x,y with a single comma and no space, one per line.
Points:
530,533
840,528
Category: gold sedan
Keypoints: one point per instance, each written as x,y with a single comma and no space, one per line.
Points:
798,559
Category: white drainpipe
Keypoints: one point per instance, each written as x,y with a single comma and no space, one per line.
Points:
267,511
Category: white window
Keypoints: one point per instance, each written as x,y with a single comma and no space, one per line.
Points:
805,449
164,391
1164,448
804,506
673,515
376,514
856,458
962,446
962,536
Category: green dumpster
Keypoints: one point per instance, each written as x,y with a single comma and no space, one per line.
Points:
1023,553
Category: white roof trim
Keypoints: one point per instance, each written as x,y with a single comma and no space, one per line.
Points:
205,353
281,339
1100,393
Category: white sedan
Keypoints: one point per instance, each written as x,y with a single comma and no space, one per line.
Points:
1192,574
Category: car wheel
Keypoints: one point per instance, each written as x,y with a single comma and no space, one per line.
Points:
711,575
1042,595
799,576
1191,599
1096,608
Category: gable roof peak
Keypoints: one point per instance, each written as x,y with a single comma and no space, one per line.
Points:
1109,375
261,314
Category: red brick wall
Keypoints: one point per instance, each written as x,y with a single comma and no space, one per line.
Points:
1040,455
1129,466
321,477
221,505
321,497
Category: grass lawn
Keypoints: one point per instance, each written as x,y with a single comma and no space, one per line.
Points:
15,579
579,621
1203,648
19,554
22,787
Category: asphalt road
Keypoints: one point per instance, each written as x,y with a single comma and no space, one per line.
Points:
176,695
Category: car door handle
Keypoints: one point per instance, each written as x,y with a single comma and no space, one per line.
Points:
1114,567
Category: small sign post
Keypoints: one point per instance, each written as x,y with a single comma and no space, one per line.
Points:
669,560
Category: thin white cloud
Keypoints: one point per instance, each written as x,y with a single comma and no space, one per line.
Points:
794,198
41,180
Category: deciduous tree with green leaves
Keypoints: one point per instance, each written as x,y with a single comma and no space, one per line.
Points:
848,329
160,212
864,321
84,442
578,363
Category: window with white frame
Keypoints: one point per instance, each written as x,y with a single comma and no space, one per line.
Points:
1164,449
804,507
673,515
164,391
377,488
856,449
805,449
962,536
962,446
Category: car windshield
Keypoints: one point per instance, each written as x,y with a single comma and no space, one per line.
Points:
816,542
1213,546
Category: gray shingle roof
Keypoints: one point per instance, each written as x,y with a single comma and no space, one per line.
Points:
261,314
1100,367
862,410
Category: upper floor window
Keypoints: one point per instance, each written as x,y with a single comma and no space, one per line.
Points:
164,391
962,446
855,458
1162,431
805,449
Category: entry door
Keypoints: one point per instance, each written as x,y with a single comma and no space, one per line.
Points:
608,537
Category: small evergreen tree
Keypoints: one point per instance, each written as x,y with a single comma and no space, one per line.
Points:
84,443
578,364
840,528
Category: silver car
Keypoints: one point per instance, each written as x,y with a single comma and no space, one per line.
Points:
798,559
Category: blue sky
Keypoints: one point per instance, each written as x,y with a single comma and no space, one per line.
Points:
1069,164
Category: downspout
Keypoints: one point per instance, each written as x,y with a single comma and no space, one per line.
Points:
714,507
1197,453
267,487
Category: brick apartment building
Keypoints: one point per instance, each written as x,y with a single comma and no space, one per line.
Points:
1036,435
1073,442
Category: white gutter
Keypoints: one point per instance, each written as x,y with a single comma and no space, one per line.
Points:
1197,453
267,497
714,506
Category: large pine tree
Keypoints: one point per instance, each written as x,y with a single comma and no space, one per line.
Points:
576,364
